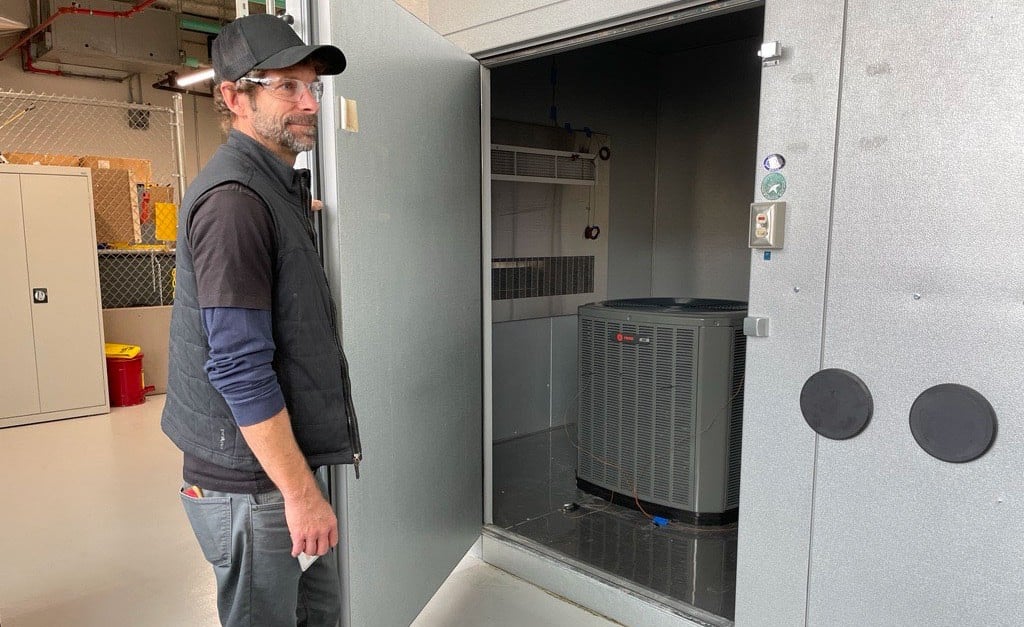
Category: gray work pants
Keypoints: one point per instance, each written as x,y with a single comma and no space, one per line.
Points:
259,583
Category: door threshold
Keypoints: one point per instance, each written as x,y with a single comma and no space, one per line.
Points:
609,595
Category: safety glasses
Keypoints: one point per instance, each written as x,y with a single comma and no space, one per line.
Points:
290,89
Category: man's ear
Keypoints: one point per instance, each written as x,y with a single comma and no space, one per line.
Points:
237,102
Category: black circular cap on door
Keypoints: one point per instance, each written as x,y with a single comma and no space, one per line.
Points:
836,403
953,423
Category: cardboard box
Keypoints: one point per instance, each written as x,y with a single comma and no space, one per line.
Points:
116,203
160,193
141,169
39,158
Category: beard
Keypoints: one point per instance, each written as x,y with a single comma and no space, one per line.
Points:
278,131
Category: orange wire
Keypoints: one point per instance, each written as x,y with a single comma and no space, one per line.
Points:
636,495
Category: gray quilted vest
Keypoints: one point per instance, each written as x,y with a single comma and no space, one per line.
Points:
308,359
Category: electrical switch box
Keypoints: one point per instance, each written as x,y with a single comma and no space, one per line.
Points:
767,225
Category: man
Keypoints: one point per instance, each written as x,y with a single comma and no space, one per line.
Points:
258,394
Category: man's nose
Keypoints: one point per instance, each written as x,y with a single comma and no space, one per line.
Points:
308,101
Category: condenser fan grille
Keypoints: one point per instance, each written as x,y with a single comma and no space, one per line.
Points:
660,397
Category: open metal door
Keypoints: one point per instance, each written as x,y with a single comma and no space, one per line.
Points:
917,520
402,252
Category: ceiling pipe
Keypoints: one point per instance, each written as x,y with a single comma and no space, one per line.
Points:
212,10
76,11
198,26
26,64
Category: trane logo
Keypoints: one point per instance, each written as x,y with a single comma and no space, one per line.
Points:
629,338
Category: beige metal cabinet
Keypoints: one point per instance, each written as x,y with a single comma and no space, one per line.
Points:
52,361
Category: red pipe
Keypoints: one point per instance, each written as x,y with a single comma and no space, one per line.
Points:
77,11
26,64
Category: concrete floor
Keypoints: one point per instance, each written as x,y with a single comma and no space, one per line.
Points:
92,535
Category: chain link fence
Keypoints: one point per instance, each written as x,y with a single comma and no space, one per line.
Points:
135,156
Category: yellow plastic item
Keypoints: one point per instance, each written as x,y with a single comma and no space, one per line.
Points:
125,351
166,221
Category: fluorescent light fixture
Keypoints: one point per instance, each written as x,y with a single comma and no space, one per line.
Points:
9,26
195,77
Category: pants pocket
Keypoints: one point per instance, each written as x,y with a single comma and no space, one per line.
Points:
210,518
271,536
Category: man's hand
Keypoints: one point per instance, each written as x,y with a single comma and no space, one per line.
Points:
311,521
312,524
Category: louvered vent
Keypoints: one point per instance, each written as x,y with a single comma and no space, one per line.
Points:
590,395
518,163
683,424
649,417
503,162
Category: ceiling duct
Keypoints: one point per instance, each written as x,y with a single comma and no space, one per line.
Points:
131,38
147,41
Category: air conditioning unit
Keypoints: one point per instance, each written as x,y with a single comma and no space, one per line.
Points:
661,405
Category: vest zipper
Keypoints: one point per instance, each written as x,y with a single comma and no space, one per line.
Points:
350,409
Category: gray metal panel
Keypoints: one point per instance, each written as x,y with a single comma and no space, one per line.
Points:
403,250
86,34
481,26
151,36
798,117
522,375
564,346
931,159
713,418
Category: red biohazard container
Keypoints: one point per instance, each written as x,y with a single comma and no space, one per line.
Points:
126,382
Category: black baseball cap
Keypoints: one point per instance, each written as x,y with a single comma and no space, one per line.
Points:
265,42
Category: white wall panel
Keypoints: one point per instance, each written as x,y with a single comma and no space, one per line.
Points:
613,90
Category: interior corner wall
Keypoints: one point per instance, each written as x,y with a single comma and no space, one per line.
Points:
201,132
534,375
707,143
613,90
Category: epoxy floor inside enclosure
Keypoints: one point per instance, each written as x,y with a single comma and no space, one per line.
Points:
535,496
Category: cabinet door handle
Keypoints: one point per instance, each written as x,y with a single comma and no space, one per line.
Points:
39,295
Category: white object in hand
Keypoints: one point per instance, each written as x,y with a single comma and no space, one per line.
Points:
306,560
